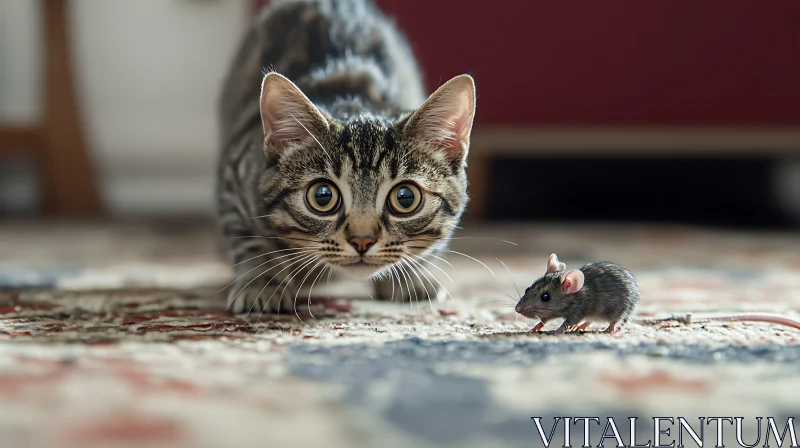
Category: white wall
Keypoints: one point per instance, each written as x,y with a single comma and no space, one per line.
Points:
20,42
148,74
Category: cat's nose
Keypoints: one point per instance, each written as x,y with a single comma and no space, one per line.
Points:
361,243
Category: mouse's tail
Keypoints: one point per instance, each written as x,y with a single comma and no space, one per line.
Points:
752,317
685,319
688,319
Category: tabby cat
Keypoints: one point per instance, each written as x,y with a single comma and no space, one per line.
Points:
333,158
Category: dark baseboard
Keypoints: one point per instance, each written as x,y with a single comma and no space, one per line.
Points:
731,192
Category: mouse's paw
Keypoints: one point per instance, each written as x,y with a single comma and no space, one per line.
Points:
612,327
537,328
582,326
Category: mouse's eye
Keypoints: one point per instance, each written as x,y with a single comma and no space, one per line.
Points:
545,297
527,289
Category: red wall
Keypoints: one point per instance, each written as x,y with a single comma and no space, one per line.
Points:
614,62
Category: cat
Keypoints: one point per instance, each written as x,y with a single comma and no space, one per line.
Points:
333,158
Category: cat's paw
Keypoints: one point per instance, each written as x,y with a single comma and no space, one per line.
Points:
257,297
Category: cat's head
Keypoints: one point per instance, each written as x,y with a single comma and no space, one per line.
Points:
366,192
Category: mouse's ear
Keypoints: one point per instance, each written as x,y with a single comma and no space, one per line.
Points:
553,265
572,281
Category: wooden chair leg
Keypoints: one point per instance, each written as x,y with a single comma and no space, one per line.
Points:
68,176
18,139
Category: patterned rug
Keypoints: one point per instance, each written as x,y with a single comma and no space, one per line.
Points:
115,335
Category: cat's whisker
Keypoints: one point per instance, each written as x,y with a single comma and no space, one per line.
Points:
329,279
516,288
427,293
464,238
455,303
395,275
427,275
437,280
299,286
391,278
417,292
432,264
309,248
409,283
474,259
328,267
246,247
262,216
291,262
233,300
400,279
302,282
287,281
276,238
408,286
427,255
295,261
297,271
414,290
262,264
442,260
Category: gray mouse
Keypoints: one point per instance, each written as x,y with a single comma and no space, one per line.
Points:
604,292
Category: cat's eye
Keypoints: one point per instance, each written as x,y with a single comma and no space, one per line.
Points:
405,198
323,197
545,297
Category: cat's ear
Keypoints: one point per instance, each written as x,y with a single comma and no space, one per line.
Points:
572,281
288,116
444,121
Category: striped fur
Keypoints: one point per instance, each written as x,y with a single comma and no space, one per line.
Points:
348,107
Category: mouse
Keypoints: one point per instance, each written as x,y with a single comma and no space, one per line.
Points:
604,292
597,292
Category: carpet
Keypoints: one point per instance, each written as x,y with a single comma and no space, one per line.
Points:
114,334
